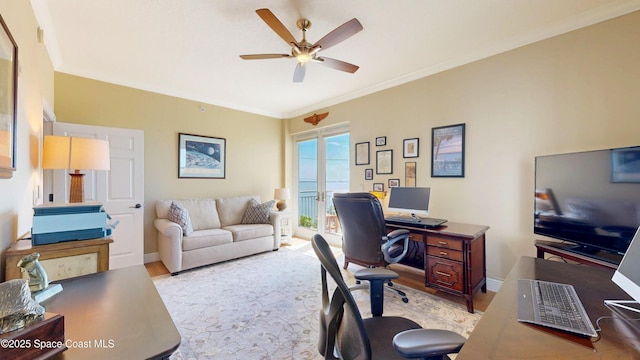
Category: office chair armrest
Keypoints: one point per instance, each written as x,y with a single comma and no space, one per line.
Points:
419,343
392,238
396,233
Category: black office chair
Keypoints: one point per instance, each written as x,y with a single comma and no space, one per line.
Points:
365,242
344,334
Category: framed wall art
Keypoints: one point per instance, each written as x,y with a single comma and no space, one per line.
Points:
410,148
362,153
447,151
410,174
381,141
368,174
201,156
378,187
394,183
8,101
384,162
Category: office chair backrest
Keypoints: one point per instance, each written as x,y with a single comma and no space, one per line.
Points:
340,319
363,227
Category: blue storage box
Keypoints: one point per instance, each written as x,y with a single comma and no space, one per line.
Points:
68,222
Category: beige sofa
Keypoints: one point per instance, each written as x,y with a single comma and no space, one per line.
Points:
222,230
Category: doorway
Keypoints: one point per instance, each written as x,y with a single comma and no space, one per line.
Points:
322,169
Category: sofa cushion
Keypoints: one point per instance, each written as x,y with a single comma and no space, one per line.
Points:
257,213
231,210
203,212
206,238
249,231
180,216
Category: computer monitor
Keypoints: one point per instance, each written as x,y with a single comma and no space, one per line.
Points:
410,200
627,276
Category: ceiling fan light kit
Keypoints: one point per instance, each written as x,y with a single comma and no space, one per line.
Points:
302,50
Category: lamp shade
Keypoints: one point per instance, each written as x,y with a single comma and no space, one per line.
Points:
64,152
55,153
281,194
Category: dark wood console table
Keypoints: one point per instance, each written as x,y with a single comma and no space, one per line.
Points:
454,258
499,335
116,314
561,249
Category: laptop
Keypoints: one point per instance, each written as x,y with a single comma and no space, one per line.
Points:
554,305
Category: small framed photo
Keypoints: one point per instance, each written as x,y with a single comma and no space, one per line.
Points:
201,156
394,183
362,153
410,148
447,151
384,162
378,187
368,174
381,141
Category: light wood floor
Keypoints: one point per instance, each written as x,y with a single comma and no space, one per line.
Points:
408,278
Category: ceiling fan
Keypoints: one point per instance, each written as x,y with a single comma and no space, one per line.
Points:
304,51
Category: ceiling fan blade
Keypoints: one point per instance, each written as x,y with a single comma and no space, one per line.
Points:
264,56
300,71
276,25
338,64
339,34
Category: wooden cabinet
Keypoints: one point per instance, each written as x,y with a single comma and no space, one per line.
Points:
61,260
454,258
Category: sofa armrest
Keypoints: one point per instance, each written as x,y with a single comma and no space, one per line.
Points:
168,228
169,244
275,217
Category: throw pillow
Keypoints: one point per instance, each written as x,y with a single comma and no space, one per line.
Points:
257,213
180,216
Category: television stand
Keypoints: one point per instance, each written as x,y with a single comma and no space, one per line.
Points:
600,258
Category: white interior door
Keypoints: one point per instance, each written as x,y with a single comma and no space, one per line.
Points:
120,190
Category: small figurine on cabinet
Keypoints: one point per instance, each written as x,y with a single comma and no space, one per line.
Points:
38,279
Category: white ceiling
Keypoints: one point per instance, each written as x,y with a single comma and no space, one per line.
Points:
190,48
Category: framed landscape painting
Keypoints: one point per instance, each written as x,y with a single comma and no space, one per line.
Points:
447,151
201,157
8,91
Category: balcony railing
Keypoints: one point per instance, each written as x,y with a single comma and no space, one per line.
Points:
308,210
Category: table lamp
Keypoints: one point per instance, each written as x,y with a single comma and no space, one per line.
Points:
66,153
282,195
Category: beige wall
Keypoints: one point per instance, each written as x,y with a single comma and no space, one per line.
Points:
35,85
578,91
254,142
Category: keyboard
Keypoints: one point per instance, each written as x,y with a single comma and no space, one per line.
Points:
424,222
554,305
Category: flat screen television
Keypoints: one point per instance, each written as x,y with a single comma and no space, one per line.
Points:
590,199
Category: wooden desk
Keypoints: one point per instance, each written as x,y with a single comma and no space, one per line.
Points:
454,258
61,260
499,335
118,314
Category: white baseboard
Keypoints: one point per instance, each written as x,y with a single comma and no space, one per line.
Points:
493,284
151,257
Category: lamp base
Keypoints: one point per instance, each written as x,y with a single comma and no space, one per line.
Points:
76,190
281,205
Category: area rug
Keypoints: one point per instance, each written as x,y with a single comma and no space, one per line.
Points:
266,307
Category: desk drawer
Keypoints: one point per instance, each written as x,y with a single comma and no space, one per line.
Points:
445,253
444,242
445,273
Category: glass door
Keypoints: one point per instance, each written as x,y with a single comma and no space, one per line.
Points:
322,163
